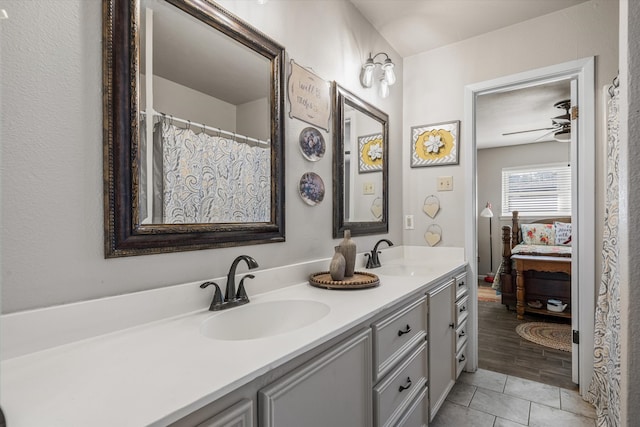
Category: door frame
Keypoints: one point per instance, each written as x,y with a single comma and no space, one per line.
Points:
583,197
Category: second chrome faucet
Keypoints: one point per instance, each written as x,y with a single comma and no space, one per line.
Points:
231,297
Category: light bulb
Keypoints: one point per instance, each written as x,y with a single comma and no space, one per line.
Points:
384,88
367,73
389,74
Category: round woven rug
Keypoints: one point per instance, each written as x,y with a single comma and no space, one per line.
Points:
552,335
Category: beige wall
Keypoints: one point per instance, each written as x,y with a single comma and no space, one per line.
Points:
490,164
434,92
52,200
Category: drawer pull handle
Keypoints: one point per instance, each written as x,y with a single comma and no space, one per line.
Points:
463,308
460,284
406,331
462,359
461,334
452,325
403,387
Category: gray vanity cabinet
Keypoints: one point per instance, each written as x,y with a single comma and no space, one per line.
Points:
448,313
441,342
334,389
239,415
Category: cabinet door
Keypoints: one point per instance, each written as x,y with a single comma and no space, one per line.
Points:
239,415
441,345
333,389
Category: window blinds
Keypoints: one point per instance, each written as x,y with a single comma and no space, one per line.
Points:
541,190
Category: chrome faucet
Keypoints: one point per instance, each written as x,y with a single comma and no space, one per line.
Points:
372,259
231,297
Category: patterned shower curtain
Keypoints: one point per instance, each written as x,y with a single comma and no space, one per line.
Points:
213,179
604,390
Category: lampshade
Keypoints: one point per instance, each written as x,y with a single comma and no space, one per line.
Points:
387,78
487,212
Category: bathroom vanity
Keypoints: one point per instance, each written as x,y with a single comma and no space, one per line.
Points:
367,357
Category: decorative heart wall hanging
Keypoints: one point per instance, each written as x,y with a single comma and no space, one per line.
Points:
433,235
431,206
376,208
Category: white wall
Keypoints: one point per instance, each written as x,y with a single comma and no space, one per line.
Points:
434,92
181,101
252,119
51,172
490,164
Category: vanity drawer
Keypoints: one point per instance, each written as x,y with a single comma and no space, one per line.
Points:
417,414
462,310
396,334
461,336
462,287
393,395
461,360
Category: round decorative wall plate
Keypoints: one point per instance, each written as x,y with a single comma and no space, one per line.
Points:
312,144
311,188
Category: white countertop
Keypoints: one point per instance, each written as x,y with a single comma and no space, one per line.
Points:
160,371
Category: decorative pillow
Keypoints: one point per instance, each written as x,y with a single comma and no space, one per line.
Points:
538,234
563,233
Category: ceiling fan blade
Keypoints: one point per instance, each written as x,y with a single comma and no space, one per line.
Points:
525,131
540,138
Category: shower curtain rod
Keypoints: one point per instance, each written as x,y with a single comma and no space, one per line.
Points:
220,132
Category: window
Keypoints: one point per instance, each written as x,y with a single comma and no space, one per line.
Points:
537,190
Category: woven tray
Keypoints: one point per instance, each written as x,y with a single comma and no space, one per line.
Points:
359,280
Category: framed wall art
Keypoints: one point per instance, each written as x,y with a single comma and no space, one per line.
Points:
435,145
370,148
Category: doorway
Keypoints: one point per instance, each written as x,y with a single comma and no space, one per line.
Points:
583,199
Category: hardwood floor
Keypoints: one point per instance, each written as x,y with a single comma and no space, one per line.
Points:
500,348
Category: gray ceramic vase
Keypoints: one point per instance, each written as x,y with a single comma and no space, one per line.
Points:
337,265
348,249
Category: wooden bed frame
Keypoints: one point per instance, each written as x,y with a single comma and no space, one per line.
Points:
534,277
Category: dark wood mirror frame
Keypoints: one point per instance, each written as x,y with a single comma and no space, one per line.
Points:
340,97
124,235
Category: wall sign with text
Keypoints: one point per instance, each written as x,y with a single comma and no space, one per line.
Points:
309,96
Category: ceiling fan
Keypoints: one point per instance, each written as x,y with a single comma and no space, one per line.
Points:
561,125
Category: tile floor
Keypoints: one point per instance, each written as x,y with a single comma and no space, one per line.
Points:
492,399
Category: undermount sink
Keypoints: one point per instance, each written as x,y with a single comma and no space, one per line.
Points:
262,320
405,270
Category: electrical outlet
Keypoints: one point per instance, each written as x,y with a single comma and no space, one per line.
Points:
408,222
445,183
368,188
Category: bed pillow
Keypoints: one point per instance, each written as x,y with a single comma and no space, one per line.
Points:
563,233
538,234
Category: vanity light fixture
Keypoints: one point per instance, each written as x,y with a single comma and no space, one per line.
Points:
388,77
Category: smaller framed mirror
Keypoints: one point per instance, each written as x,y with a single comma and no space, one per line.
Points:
360,165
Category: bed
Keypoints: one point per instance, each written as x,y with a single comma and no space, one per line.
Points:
536,265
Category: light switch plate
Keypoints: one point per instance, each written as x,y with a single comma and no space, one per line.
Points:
408,222
368,188
445,183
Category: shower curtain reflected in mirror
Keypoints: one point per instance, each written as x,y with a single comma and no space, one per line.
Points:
200,178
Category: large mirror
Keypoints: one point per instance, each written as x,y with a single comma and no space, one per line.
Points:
194,125
360,166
